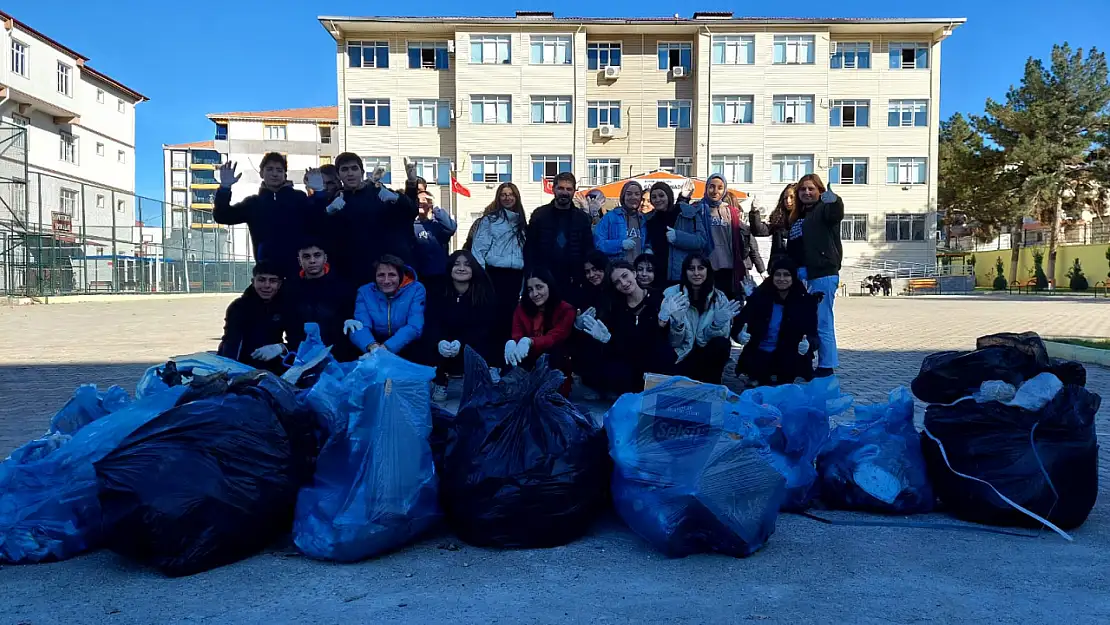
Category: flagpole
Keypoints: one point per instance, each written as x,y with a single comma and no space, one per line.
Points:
453,212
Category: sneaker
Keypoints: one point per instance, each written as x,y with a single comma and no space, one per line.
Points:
439,393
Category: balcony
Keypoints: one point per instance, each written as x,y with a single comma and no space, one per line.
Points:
204,159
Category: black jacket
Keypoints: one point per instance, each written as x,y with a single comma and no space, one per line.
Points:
366,228
637,338
819,250
251,323
327,301
542,247
453,317
761,228
278,221
799,319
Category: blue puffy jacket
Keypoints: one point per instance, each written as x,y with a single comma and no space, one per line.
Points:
394,322
612,230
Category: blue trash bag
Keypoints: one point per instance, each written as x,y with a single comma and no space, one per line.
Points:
376,486
794,420
180,369
690,472
48,503
313,360
87,405
875,463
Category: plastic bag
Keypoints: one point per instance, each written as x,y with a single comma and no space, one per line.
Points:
946,377
1036,392
874,463
206,483
1069,372
87,405
375,488
690,475
48,502
181,369
1045,461
995,390
794,420
522,466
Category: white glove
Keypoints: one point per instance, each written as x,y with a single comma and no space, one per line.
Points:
828,197
628,244
387,196
671,236
351,325
336,205
456,347
445,349
672,306
803,347
748,285
744,337
511,358
375,177
687,189
410,170
522,348
315,181
725,314
268,352
757,204
597,330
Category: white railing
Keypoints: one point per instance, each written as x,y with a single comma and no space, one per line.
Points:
900,269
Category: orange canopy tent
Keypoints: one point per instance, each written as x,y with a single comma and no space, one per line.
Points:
612,190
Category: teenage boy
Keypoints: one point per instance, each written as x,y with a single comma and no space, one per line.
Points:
254,325
319,296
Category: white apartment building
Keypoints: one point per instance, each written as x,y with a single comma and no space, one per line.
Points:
761,101
305,136
77,158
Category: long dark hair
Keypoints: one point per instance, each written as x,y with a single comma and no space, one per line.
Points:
599,261
706,289
481,290
554,297
518,207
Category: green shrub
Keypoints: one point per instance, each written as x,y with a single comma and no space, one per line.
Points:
1076,280
1038,271
1000,275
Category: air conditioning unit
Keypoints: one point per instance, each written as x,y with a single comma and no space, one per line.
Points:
678,71
612,71
608,131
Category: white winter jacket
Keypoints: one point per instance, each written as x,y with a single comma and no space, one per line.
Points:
495,243
697,327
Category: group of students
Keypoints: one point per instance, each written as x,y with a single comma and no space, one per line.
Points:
606,298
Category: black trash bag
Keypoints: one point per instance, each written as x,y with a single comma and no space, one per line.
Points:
946,377
442,424
522,467
1044,460
206,483
1071,373
1028,343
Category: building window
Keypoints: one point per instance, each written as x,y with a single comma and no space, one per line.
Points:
736,168
99,149
672,55
674,113
208,157
274,132
368,54
65,79
20,140
100,96
433,170
853,228
121,156
204,176
204,196
490,49
428,55
680,165
850,55
602,170
221,131
733,109
120,106
850,113
547,167
429,114
100,202
370,163
905,227
67,202
848,171
492,168
603,113
325,134
550,110
67,147
369,112
491,109
906,170
602,55
734,50
19,58
550,49
792,109
177,198
177,160
177,179
913,55
794,49
787,168
907,113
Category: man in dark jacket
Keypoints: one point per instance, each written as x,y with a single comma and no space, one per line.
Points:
319,296
277,217
367,220
254,325
560,236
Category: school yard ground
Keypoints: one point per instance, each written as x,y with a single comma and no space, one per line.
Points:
809,572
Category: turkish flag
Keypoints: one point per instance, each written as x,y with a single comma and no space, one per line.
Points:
456,187
547,187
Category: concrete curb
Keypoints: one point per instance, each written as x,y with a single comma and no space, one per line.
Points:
1086,355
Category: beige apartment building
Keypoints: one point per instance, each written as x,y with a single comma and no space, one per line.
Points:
761,101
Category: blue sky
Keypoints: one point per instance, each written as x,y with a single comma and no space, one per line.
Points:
195,58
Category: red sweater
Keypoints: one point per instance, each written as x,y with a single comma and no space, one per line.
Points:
562,322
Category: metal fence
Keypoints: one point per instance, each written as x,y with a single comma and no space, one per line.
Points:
1092,233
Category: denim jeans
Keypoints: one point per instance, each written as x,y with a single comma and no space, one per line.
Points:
826,328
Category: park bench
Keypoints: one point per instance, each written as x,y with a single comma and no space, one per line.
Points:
922,284
100,286
1028,286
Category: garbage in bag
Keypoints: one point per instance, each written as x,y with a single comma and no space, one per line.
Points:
181,369
1005,465
690,474
1036,392
48,496
312,359
38,449
522,466
1069,372
874,463
1028,343
794,420
375,487
995,390
206,483
946,377
87,405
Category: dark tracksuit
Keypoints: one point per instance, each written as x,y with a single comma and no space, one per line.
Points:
559,239
638,346
251,323
455,317
799,319
277,220
366,228
327,301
